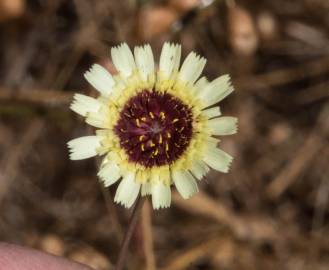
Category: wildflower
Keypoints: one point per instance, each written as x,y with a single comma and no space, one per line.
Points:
155,128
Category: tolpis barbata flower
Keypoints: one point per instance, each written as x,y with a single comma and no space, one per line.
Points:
155,127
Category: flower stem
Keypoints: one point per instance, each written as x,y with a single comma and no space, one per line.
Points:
132,225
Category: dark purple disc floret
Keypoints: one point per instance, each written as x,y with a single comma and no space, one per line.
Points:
154,128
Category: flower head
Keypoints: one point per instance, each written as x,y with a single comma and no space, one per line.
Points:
155,128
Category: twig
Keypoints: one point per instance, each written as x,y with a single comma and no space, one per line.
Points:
10,167
319,91
132,224
312,146
245,228
322,193
283,76
148,237
184,259
320,205
41,97
287,176
112,211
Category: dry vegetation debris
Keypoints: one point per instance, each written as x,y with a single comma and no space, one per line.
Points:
269,212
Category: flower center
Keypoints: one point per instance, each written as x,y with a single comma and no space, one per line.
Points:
154,128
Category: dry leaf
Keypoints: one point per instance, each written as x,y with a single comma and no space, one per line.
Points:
242,32
267,26
183,6
153,21
10,9
52,244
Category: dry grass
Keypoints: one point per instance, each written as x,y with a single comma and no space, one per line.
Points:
269,212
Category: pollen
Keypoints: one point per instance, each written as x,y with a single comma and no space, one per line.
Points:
162,115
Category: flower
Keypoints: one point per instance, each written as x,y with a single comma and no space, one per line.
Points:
155,127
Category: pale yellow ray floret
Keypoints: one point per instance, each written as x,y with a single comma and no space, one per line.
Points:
136,72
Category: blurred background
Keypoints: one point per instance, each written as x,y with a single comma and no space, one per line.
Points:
269,212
